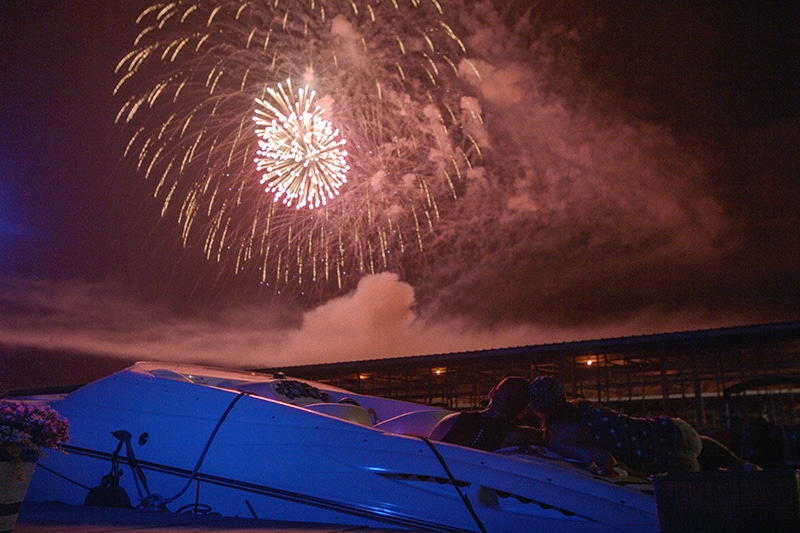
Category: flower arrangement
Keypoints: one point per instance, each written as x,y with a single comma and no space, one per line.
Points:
28,427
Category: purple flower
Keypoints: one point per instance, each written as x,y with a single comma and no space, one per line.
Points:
30,426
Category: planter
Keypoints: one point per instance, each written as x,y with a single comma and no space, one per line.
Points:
12,490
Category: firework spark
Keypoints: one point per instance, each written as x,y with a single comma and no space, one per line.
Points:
301,152
385,73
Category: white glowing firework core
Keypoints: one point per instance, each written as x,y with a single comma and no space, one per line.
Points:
301,154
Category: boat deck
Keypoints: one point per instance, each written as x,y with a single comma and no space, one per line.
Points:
36,517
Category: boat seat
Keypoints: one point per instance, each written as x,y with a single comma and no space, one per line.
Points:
417,423
345,411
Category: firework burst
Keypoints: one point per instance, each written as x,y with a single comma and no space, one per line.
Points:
256,172
301,154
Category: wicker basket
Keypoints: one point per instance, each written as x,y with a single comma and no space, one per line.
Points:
767,500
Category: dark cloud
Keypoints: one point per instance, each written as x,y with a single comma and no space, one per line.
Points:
642,168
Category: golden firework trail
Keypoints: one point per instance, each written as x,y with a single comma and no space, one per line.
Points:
319,185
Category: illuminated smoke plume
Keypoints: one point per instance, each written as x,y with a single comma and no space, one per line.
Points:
384,78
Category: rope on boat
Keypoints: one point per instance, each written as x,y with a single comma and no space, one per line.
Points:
62,476
162,502
464,498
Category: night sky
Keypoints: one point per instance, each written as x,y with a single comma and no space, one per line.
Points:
641,177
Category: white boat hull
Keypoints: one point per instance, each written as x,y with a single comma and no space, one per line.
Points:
213,448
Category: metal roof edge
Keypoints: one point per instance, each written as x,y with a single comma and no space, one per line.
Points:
619,344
